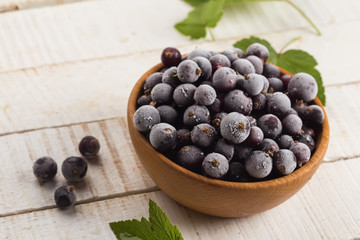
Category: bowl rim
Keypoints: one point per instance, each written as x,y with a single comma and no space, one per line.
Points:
311,165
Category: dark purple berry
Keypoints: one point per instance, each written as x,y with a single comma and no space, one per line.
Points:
306,139
145,117
170,77
292,124
259,164
183,137
269,146
224,79
183,95
224,148
237,173
215,165
163,137
203,135
301,152
74,169
45,169
313,115
302,86
190,157
258,50
285,141
235,127
152,80
270,70
218,61
188,71
255,137
237,101
270,125
168,114
195,115
170,57
284,161
64,197
89,146
257,63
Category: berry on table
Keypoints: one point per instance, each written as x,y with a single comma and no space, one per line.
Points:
64,197
74,168
45,169
89,146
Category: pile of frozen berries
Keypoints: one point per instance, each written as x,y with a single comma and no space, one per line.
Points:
230,115
73,169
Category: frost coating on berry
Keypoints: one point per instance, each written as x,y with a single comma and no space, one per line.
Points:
259,164
302,86
64,197
188,71
196,114
163,137
203,135
145,118
215,165
235,127
45,168
74,169
205,95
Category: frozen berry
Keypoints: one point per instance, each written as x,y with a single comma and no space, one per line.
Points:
215,165
89,146
64,197
74,169
45,169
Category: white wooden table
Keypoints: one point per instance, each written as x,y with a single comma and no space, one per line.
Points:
66,70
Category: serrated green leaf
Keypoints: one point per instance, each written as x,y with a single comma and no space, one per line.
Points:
161,223
296,61
243,44
206,14
127,230
158,227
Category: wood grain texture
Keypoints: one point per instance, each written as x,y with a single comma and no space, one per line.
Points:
116,172
312,213
95,29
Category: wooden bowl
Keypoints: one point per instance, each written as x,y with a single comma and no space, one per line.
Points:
217,197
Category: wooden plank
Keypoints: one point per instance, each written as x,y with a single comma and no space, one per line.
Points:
312,213
116,172
95,29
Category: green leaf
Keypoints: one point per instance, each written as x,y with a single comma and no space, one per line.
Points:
161,223
128,229
206,14
158,227
246,42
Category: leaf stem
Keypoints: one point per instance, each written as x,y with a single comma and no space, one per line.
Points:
305,16
211,34
289,43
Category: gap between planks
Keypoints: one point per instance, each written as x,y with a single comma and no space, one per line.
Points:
85,201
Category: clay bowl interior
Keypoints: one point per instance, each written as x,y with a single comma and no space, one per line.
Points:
217,197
